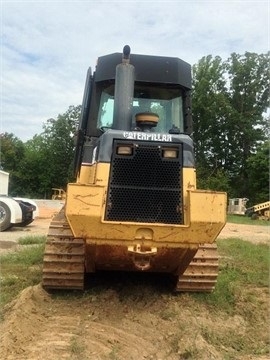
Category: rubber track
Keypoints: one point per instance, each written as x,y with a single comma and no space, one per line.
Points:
64,256
201,274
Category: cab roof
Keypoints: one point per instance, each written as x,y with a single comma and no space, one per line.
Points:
148,68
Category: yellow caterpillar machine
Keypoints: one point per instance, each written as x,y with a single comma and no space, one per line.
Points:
259,211
134,205
237,206
58,194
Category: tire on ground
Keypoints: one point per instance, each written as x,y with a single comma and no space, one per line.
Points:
4,216
254,216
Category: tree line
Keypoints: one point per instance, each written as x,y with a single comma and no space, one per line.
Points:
230,106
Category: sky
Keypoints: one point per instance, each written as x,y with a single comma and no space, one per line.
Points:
47,46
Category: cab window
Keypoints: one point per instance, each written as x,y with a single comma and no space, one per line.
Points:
167,103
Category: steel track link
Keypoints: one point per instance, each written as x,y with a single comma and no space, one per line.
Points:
201,274
64,257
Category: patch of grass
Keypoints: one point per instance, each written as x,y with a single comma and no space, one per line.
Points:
32,240
246,220
229,339
235,342
189,354
76,348
113,355
241,291
249,261
242,264
167,314
20,270
24,258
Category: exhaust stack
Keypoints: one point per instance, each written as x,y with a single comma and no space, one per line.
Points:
123,93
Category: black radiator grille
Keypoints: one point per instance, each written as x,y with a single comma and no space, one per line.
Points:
145,186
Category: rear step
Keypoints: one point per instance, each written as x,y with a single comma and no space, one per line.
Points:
201,274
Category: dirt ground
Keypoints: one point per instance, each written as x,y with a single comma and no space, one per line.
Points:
141,322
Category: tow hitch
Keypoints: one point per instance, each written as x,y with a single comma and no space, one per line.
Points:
141,256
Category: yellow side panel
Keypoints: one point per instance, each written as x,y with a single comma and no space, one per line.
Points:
208,206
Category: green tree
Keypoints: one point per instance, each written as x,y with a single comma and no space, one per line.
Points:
217,180
47,158
258,171
211,107
12,152
229,102
34,180
248,87
59,139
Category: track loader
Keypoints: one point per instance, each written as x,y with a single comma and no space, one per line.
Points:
134,205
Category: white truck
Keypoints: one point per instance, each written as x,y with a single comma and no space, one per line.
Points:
14,211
